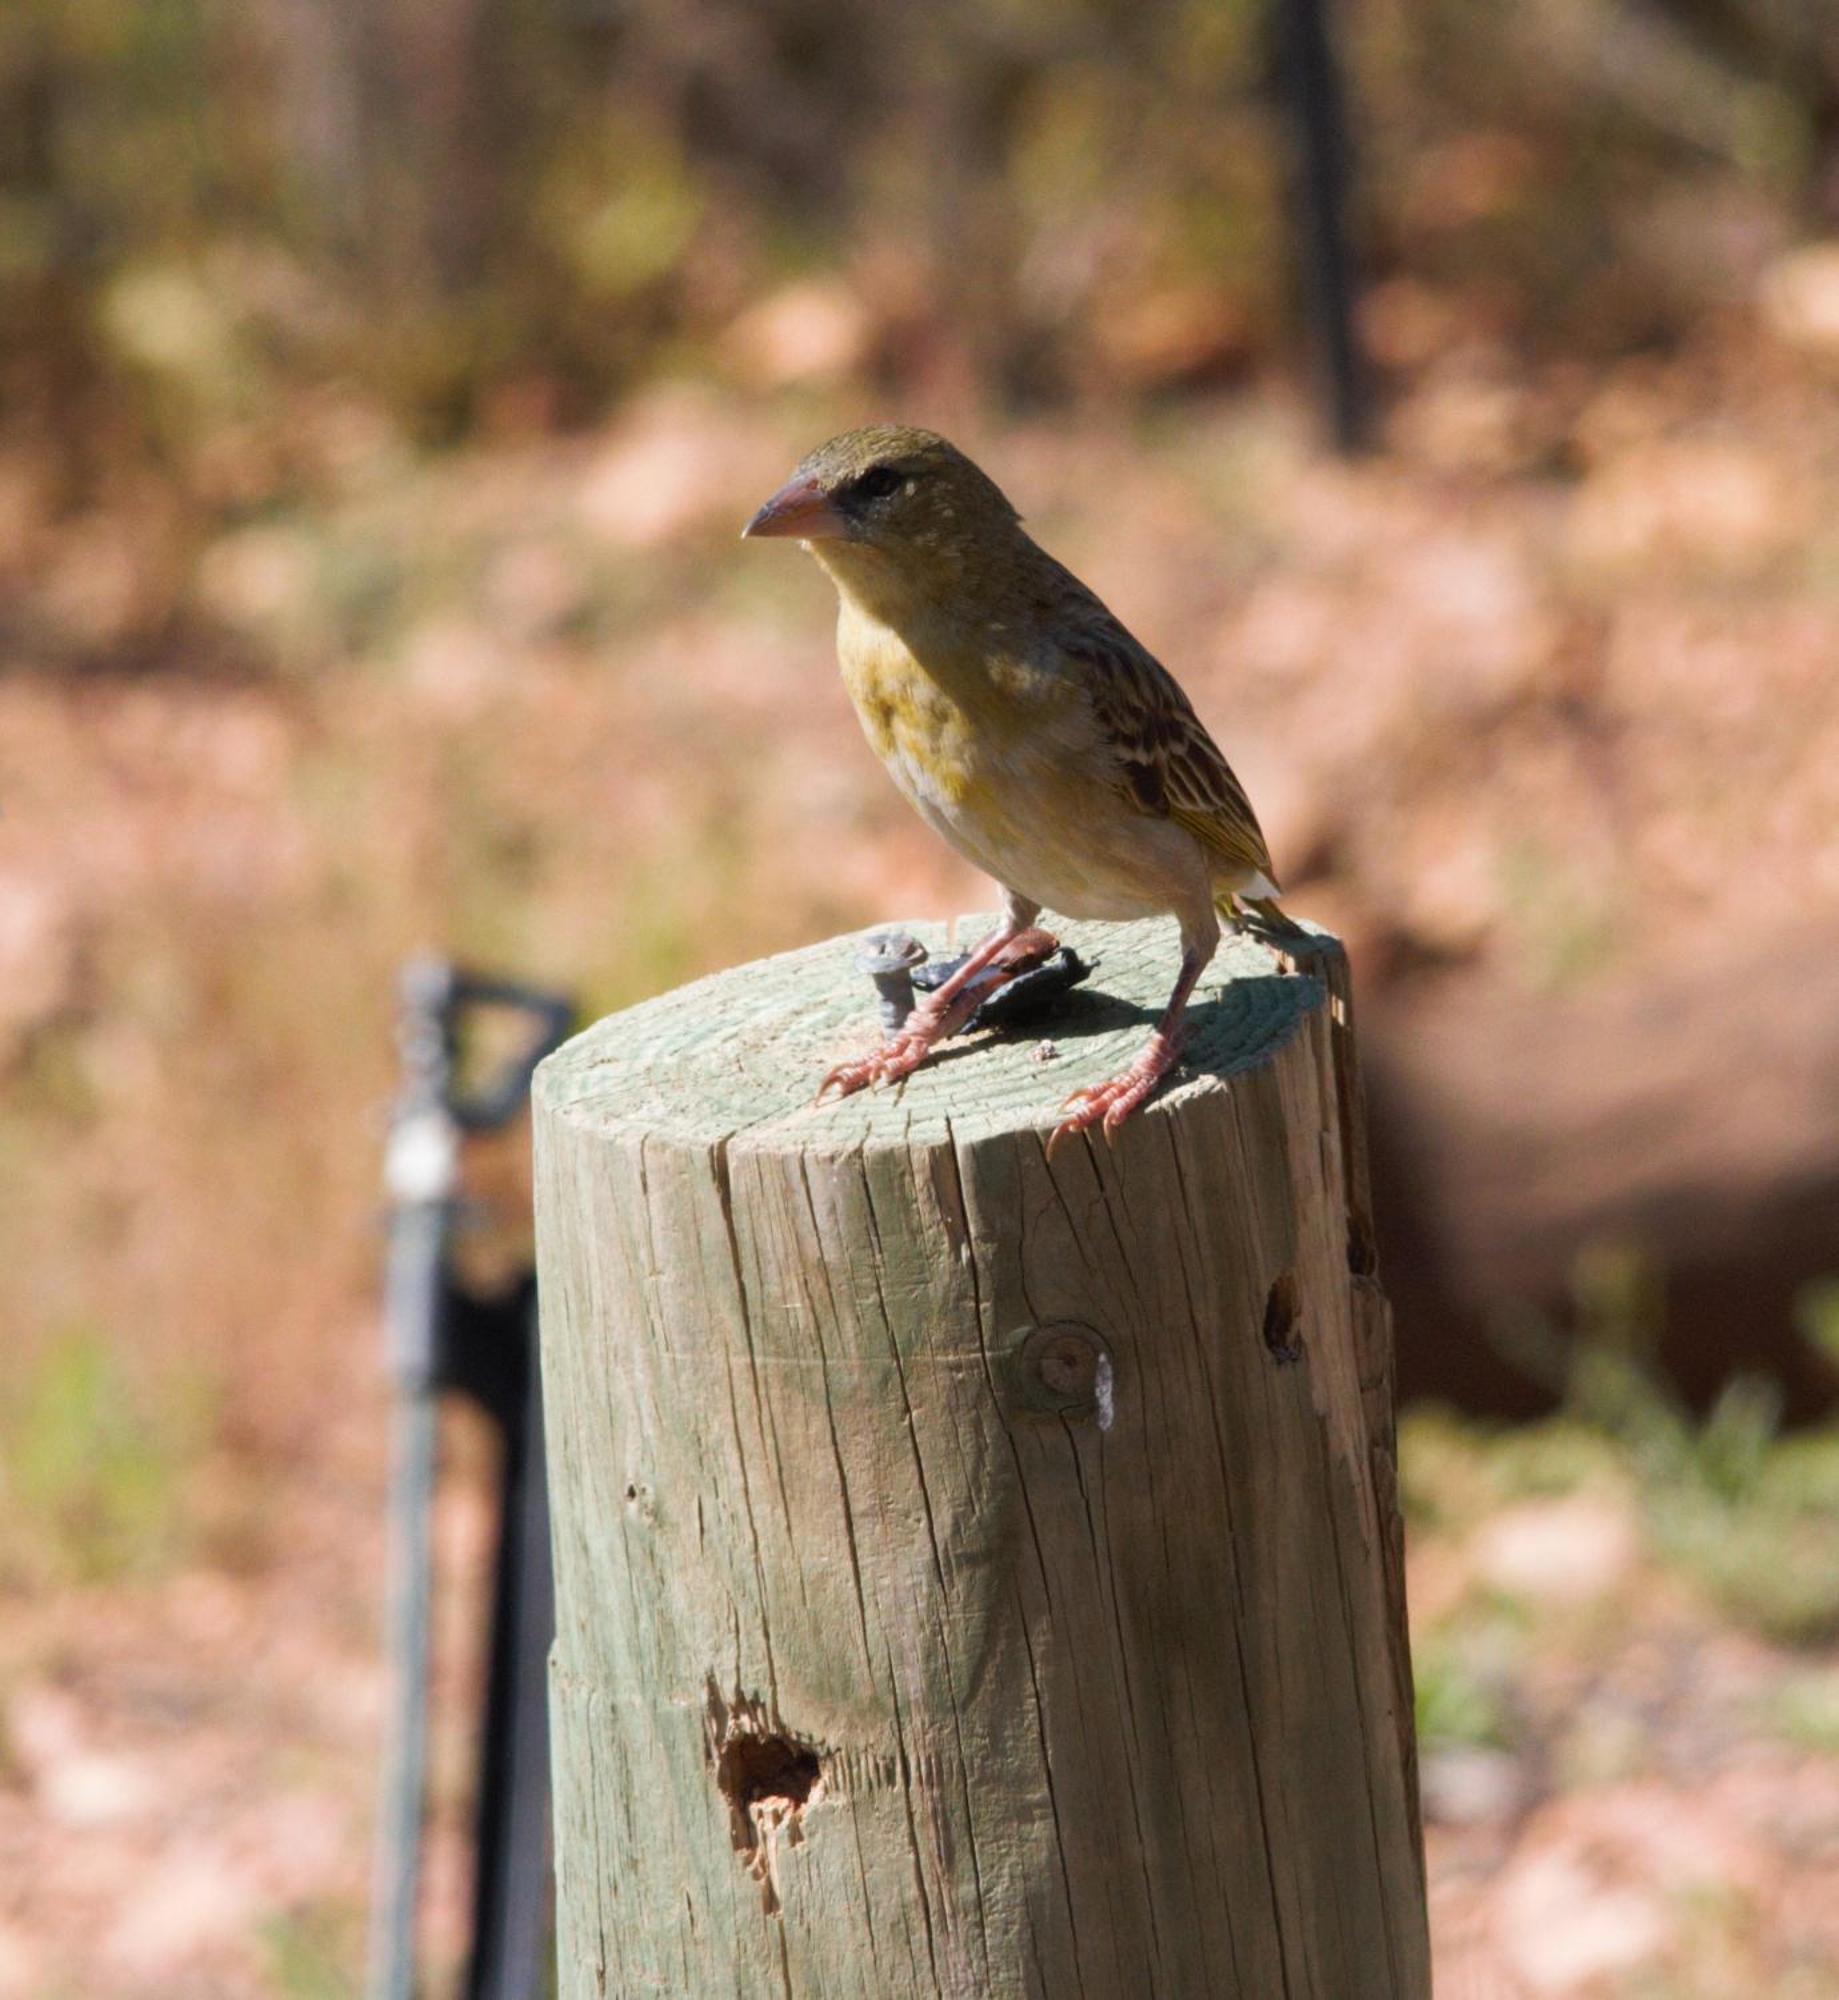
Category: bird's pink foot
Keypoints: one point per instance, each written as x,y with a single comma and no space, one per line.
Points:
898,1056
1109,1104
1021,953
941,1014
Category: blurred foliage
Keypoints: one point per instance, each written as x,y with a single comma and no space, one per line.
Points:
506,209
1750,1512
310,1954
1463,1675
1747,1511
1817,1315
1806,1712
92,1462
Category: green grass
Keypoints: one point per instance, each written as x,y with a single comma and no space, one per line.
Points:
311,1954
1741,1509
1462,1694
93,1462
1805,1712
1748,1513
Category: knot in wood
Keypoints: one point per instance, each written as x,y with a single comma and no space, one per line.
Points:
1066,1370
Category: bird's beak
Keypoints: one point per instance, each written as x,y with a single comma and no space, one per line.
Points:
800,508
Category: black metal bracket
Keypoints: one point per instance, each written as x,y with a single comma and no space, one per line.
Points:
443,1338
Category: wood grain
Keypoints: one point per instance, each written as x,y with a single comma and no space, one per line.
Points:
977,1575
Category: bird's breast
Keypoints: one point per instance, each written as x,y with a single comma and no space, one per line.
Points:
1003,759
946,726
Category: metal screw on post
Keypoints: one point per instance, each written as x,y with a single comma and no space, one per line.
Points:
889,958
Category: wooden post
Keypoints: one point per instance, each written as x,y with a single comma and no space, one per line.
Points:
978,1575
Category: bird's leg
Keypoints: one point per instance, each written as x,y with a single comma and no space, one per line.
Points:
1114,1101
1011,948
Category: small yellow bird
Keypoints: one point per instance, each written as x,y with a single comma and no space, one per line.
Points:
1026,725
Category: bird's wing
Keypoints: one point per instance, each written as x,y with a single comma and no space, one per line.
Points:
1167,764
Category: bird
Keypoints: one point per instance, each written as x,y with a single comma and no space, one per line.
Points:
1027,727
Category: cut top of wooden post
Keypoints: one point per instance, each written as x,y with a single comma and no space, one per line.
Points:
745,1050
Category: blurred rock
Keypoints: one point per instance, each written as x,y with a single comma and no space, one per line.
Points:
189,1903
1632,407
1471,1787
1466,421
167,319
74,1784
1560,1926
1472,604
44,1725
816,331
1407,324
1299,817
456,667
535,589
38,956
1800,301
1558,1552
260,578
103,582
1722,505
21,1965
293,1843
1450,900
675,465
97,1791
26,502
1668,1841
1468,178
1173,337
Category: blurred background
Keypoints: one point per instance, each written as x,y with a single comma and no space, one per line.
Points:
382,386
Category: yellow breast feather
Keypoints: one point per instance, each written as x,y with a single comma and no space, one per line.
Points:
953,711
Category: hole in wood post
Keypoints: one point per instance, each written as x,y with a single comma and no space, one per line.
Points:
1280,1334
769,1779
759,1771
1362,1251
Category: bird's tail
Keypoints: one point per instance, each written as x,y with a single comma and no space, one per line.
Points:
1262,913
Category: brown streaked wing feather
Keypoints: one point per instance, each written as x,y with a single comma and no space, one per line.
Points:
1168,765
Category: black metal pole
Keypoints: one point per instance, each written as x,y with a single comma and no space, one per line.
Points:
443,1337
511,1898
1312,91
421,1172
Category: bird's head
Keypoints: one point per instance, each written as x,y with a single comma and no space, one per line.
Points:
892,512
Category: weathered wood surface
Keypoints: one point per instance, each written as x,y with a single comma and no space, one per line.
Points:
978,1574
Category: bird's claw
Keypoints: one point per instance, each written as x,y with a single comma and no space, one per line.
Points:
896,1058
936,1018
1108,1104
1105,1105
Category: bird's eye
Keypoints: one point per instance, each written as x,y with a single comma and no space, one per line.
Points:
876,483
